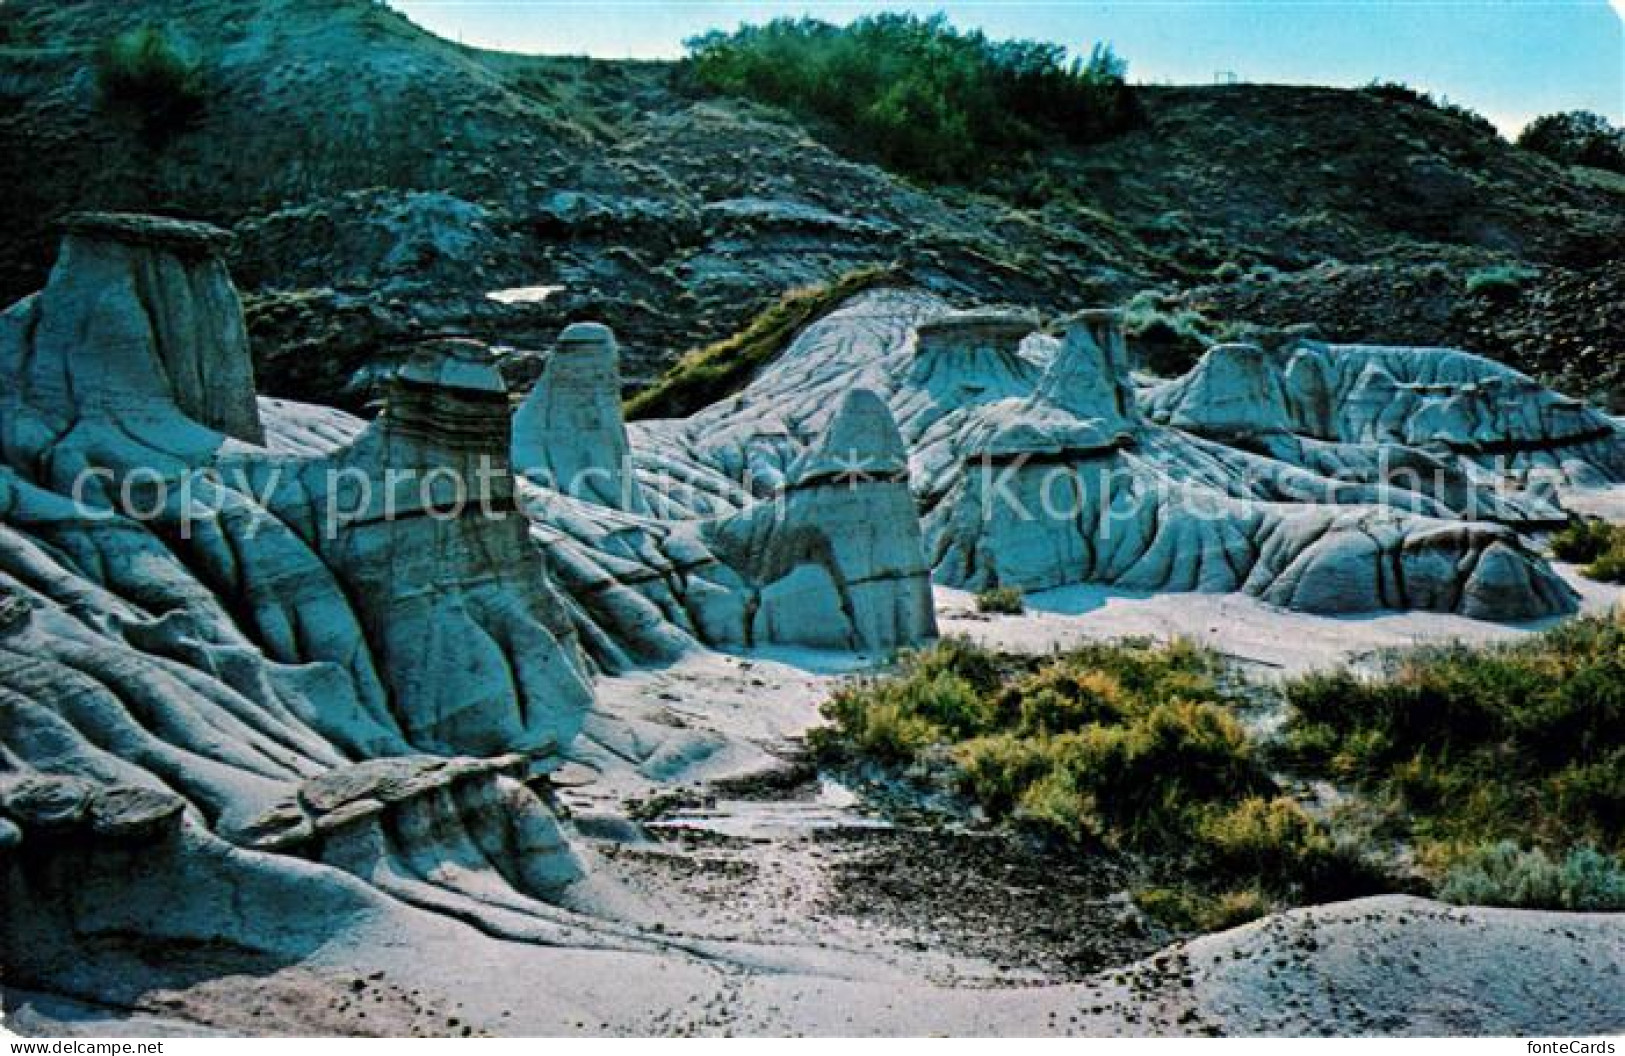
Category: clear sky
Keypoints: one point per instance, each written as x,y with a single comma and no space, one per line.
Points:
1508,59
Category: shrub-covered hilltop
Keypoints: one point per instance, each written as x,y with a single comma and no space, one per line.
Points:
1492,776
919,95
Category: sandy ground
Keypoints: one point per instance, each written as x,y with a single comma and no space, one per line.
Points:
1260,636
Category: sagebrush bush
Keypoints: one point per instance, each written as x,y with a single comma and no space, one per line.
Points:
939,695
1133,745
1127,742
1583,541
1610,567
1596,545
916,93
1504,874
1478,744
1185,909
1005,601
144,73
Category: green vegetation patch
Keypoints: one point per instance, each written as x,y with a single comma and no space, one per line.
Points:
1131,745
917,94
1501,281
145,74
1464,748
1491,775
1504,874
1002,601
1577,137
706,375
1596,545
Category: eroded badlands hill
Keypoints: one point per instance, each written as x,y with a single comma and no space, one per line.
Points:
276,698
383,181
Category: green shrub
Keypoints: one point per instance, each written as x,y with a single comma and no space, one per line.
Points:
1503,874
1499,282
956,656
1597,545
1189,909
1232,909
1136,735
1062,699
998,769
1153,673
1474,745
1007,601
1610,567
1132,745
703,376
917,94
1262,836
939,695
1276,844
143,73
1578,137
1169,339
1583,541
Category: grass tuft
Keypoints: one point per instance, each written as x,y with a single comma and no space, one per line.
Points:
1002,601
704,376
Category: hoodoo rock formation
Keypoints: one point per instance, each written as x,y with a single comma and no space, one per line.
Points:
822,549
209,645
569,431
1438,400
324,665
139,317
835,560
418,521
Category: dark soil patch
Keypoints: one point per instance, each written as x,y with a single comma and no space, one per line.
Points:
994,896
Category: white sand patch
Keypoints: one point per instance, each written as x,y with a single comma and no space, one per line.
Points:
1235,624
1607,503
523,294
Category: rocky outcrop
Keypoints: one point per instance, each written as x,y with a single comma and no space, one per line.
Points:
429,808
337,666
343,645
139,316
1437,400
1397,966
822,549
568,433
835,559
1033,464
417,521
